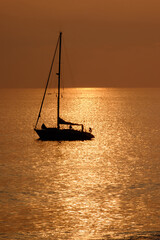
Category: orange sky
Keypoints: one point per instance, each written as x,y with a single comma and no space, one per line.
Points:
110,43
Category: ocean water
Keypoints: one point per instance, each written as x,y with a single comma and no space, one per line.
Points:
107,188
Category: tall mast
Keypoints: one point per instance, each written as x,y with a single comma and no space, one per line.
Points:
59,78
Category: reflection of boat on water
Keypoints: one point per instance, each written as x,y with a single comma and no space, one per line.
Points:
59,134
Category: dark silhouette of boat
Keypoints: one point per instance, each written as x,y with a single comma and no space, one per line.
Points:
58,133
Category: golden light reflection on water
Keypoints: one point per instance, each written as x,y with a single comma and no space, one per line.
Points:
107,188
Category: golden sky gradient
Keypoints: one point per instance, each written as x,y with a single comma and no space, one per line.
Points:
110,43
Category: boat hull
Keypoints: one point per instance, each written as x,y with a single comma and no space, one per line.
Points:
54,134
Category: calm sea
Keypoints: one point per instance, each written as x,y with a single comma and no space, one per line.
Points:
107,188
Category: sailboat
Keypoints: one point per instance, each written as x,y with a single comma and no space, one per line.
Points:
58,133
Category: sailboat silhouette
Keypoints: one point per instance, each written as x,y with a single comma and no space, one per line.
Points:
58,134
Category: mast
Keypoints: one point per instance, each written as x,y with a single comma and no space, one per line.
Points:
59,78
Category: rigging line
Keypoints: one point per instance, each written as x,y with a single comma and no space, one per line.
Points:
47,83
69,64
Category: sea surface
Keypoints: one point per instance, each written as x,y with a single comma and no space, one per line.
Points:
107,188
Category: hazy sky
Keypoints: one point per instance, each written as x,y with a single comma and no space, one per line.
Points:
109,43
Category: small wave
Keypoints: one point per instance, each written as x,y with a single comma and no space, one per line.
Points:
134,236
